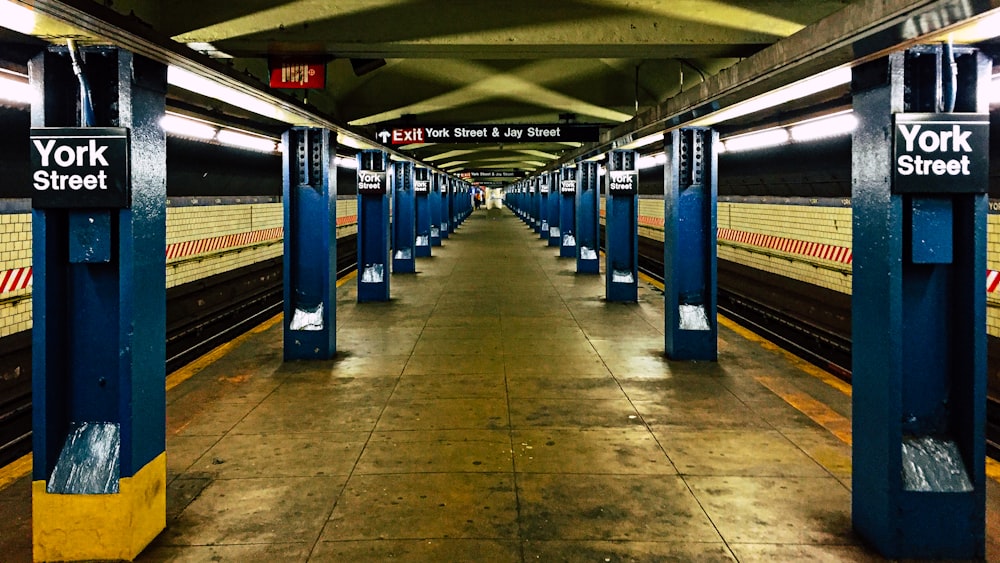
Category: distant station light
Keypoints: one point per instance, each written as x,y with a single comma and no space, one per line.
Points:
246,141
824,127
14,88
651,161
180,126
16,17
757,140
198,84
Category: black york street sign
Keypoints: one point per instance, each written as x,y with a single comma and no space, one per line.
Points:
421,186
941,153
371,182
79,167
567,186
622,182
551,133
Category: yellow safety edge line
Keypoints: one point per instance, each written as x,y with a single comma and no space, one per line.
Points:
15,470
836,424
188,371
22,466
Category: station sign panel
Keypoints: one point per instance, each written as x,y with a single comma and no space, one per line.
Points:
941,153
372,182
492,174
421,186
551,133
293,74
79,167
622,182
567,186
543,187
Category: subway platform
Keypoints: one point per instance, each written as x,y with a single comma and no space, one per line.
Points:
498,409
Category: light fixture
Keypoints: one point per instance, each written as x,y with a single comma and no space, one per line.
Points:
802,88
651,161
239,139
198,84
16,17
828,126
346,162
181,126
643,141
14,90
757,140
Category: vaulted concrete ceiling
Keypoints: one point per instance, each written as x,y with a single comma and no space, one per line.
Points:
486,62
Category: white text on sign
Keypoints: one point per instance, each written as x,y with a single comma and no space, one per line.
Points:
65,156
934,141
621,182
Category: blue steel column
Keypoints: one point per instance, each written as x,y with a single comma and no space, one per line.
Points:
567,211
621,228
553,210
689,248
99,309
434,202
373,226
446,206
535,195
404,231
588,225
544,187
422,210
310,194
918,311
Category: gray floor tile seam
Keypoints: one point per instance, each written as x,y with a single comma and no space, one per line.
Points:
181,472
778,429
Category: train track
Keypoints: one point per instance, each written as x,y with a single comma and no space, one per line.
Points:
200,316
781,311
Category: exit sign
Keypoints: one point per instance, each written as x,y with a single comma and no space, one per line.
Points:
291,74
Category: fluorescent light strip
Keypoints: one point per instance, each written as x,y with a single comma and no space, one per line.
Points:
802,88
824,127
757,140
246,141
16,91
346,162
651,161
16,17
198,84
181,126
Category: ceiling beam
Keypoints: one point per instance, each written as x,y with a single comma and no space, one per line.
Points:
860,32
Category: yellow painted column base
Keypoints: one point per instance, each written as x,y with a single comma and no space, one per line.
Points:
104,527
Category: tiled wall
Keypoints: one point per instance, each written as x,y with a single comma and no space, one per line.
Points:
202,241
186,224
826,225
15,271
993,264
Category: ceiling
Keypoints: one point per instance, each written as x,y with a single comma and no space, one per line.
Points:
461,62
489,62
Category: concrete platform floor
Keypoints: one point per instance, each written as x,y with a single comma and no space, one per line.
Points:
498,409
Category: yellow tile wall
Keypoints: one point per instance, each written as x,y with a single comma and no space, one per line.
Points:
15,252
201,222
347,208
821,224
15,241
993,263
651,208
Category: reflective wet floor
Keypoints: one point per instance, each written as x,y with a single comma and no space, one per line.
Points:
498,409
